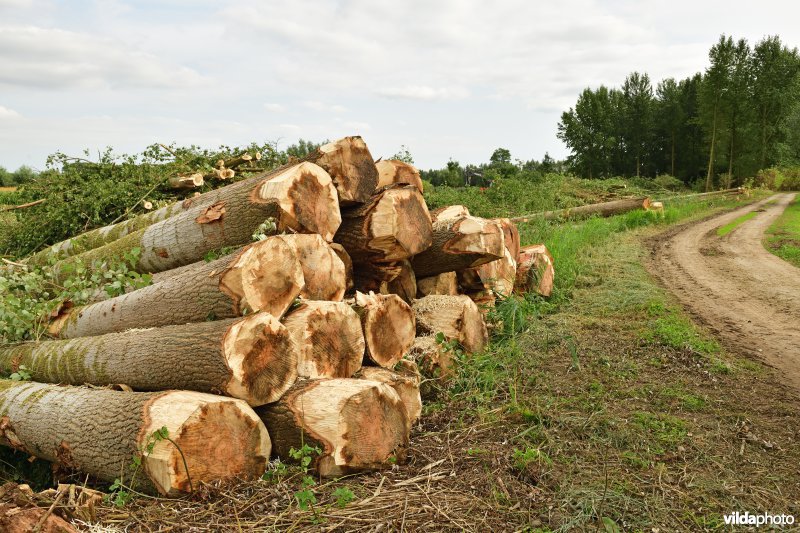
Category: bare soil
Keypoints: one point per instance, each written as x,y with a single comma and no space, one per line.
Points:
746,296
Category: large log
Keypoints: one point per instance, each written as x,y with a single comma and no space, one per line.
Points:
393,172
388,325
300,198
351,166
329,339
265,276
357,424
392,226
460,243
100,431
602,209
356,161
444,283
457,317
404,284
535,270
252,358
405,382
339,250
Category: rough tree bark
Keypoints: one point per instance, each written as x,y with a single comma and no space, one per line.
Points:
301,198
388,325
457,317
392,172
99,431
444,283
405,382
358,424
329,339
460,243
252,358
265,276
392,226
535,271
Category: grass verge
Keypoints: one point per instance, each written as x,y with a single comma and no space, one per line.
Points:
730,226
783,237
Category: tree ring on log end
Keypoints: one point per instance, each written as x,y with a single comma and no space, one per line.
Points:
400,225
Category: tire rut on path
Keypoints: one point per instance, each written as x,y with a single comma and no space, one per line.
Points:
745,295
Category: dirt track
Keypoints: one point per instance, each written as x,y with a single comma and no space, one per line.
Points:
745,295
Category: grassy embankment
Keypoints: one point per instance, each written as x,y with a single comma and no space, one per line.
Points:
783,237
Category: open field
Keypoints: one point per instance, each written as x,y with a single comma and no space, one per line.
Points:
605,405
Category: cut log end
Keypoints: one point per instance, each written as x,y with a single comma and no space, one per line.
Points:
350,165
405,383
510,236
433,360
220,438
389,327
457,317
307,199
460,243
535,270
404,284
393,172
445,283
329,339
267,276
448,213
262,357
324,272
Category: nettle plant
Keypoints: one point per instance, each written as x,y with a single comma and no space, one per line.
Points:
31,295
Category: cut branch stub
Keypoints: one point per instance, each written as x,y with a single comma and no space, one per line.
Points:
358,424
187,181
98,431
265,276
393,172
535,270
329,339
251,358
392,226
460,243
405,382
456,317
351,166
388,325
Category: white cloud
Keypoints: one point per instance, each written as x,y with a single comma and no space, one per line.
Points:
8,113
50,58
316,105
423,92
275,108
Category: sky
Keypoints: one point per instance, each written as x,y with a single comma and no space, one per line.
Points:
449,79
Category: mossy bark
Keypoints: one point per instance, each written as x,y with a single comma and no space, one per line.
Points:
100,432
251,358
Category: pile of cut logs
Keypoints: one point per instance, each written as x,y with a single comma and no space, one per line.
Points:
320,332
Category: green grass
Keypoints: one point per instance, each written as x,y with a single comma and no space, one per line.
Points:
729,227
783,237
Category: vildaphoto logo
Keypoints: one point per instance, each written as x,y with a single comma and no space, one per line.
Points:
758,520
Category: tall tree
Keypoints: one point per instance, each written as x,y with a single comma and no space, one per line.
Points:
775,92
585,131
637,93
737,102
670,118
716,82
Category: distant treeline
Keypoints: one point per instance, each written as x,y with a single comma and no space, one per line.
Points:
740,116
20,176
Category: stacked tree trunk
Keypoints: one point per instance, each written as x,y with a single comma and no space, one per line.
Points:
353,300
